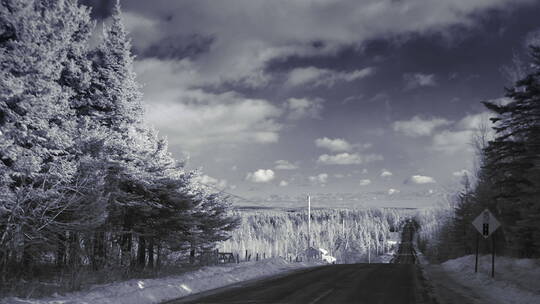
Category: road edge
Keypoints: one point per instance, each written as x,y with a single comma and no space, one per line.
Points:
210,292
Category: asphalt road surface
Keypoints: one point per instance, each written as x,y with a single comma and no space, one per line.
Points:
400,282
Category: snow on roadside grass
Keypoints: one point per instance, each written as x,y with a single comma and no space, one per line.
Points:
145,291
516,280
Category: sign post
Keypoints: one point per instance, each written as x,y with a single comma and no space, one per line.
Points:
486,224
309,221
476,260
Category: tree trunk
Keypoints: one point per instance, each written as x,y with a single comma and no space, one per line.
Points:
141,258
99,250
192,255
74,259
151,252
26,259
158,259
126,242
61,250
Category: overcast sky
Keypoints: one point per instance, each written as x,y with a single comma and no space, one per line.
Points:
358,103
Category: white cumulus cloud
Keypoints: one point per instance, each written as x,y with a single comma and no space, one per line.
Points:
211,181
462,135
365,182
334,145
193,118
453,141
393,191
283,183
324,77
417,126
348,158
386,173
461,173
298,108
321,178
421,179
416,80
261,176
284,165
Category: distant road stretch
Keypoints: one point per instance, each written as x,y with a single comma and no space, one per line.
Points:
343,283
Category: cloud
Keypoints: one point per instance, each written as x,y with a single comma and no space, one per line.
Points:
261,176
452,141
393,191
284,165
421,179
321,178
247,35
532,38
416,80
417,126
283,183
193,118
211,181
461,136
324,77
334,145
461,173
365,182
476,121
386,173
348,158
299,108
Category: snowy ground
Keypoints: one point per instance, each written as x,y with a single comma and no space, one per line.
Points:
158,290
516,281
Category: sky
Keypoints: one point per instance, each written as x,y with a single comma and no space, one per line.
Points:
356,103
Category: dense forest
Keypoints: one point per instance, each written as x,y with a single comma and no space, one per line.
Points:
507,181
84,183
346,234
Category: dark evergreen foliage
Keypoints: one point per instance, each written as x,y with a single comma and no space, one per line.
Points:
83,179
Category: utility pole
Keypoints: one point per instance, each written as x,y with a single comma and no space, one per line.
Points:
369,251
309,221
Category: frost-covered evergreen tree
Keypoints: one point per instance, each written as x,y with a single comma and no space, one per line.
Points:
39,169
114,97
82,177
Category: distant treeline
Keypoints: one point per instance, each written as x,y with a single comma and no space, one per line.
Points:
346,234
507,181
83,181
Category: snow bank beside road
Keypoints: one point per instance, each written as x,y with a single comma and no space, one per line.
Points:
146,291
515,282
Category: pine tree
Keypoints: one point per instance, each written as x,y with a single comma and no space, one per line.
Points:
77,164
40,175
513,160
114,98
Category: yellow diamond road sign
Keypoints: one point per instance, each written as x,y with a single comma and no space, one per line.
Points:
486,223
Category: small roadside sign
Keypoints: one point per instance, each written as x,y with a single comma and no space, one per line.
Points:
486,223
